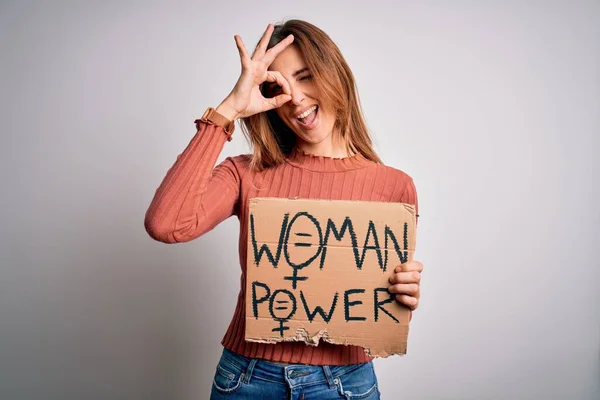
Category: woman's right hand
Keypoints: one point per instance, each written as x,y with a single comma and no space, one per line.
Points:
246,98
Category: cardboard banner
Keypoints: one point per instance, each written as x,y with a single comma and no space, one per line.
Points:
319,270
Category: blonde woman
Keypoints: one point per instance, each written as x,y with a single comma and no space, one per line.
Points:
297,101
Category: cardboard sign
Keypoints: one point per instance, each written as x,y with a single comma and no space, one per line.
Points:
319,270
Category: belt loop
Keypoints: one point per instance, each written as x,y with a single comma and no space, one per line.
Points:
328,376
249,370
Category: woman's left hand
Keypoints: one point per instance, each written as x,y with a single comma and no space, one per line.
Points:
406,283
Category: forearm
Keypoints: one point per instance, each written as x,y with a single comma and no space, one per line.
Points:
191,199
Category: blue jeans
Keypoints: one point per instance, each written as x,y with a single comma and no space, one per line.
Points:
239,377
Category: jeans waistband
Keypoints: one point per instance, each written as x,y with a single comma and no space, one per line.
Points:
292,373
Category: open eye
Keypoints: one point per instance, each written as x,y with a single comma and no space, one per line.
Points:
271,91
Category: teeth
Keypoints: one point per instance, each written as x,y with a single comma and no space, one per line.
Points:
307,112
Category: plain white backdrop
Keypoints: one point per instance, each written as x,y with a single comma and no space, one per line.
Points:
491,106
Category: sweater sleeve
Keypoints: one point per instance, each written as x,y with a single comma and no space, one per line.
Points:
410,196
194,196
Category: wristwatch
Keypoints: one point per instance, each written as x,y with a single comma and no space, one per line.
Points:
211,115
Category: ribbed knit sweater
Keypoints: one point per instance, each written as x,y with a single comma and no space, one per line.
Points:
196,195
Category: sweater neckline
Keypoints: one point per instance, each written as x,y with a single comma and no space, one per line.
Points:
301,159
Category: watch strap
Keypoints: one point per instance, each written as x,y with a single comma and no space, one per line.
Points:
212,116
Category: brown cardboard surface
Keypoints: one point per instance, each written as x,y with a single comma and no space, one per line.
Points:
332,254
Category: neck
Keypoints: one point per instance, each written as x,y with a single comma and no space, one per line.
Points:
327,148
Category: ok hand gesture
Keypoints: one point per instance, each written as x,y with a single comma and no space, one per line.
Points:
246,99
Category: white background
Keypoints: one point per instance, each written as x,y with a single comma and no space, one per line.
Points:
491,106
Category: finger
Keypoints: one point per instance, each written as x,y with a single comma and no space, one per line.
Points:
409,266
241,48
264,41
406,277
278,101
278,48
275,76
411,289
408,301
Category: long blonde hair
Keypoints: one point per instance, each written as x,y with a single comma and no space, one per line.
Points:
272,139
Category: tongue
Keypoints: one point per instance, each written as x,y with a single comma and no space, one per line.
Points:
310,118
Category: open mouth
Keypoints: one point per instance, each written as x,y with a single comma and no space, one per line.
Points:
307,119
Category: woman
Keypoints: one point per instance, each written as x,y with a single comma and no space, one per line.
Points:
297,99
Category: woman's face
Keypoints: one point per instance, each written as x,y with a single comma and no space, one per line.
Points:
317,122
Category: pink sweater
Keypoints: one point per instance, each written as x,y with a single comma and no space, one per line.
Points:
196,195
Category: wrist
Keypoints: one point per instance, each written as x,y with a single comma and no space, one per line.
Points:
226,110
212,116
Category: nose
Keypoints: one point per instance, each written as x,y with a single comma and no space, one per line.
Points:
297,94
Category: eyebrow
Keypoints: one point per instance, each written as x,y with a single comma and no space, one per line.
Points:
295,74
